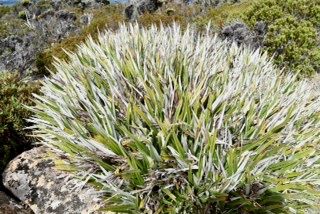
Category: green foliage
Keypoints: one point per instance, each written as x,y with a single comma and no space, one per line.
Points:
22,15
4,10
223,15
169,121
293,32
13,26
26,3
14,93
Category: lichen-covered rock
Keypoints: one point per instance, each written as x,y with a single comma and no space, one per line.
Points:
10,206
34,179
43,23
146,6
17,52
241,34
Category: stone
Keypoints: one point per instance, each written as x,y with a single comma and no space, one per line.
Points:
48,22
105,2
240,33
34,179
66,15
148,6
17,52
10,206
85,20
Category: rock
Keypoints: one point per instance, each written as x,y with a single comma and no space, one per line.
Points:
106,2
241,34
237,32
149,6
131,12
89,3
10,206
261,28
17,52
66,15
34,178
47,14
85,20
47,22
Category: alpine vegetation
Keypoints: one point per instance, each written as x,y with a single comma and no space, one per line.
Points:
216,3
169,121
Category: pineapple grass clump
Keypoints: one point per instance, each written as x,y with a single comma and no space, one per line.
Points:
170,121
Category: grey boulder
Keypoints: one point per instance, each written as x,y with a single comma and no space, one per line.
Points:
34,179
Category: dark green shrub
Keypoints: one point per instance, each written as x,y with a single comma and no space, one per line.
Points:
43,63
14,93
26,3
293,32
22,15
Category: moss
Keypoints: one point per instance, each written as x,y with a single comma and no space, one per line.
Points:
109,16
14,94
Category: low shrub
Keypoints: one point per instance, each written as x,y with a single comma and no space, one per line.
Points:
293,35
4,10
26,3
15,26
22,15
223,15
170,121
14,94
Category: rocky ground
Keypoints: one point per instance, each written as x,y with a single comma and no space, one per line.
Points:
29,28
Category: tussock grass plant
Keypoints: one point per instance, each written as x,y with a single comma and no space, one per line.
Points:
170,121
